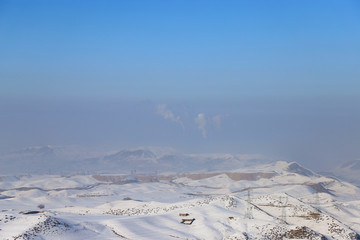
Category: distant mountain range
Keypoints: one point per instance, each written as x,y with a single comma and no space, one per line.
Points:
55,160
62,160
349,171
40,159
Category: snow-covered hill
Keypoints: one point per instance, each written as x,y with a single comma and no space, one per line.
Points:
264,201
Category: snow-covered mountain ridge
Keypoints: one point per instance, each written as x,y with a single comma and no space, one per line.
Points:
261,201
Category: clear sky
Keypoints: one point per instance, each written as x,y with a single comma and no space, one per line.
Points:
274,77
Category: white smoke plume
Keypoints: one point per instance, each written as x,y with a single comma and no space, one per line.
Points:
200,121
217,121
169,115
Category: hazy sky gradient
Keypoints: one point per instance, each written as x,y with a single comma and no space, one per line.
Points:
274,77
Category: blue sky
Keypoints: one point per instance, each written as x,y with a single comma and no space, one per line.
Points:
249,64
172,49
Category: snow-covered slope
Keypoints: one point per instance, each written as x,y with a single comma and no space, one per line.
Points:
267,201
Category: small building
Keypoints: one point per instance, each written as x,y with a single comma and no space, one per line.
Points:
187,221
31,212
183,214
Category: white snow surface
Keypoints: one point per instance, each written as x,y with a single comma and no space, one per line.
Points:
272,201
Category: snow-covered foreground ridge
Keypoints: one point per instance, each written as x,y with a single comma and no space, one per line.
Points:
269,201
